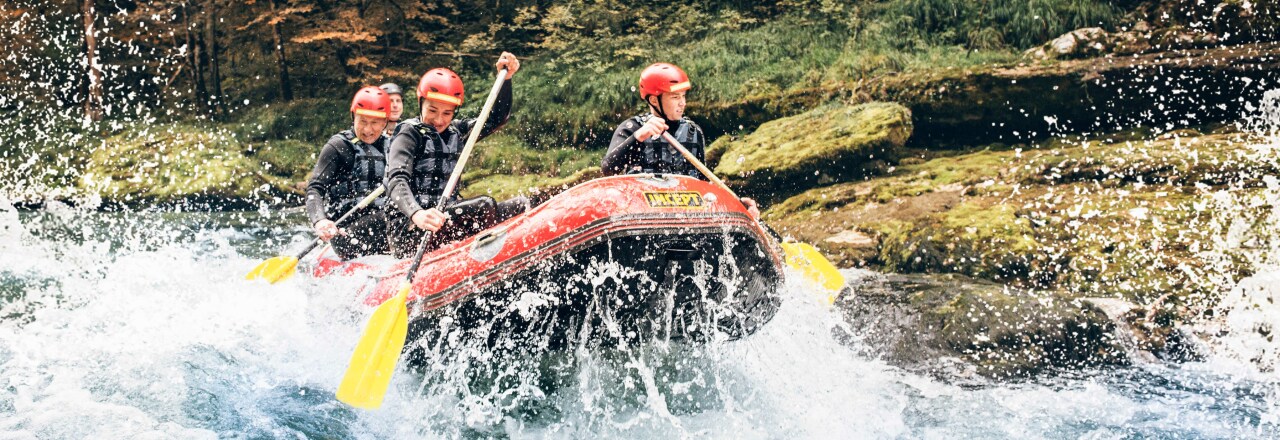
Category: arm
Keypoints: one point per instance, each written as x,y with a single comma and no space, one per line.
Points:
400,159
621,149
497,116
323,176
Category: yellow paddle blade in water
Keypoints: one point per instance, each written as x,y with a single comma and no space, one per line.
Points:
815,267
374,360
274,270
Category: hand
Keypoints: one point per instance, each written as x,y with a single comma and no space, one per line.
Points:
327,229
510,62
752,208
654,127
430,219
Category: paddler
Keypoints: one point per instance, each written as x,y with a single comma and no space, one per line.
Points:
397,106
637,144
351,166
423,154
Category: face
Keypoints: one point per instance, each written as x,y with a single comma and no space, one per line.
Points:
438,114
397,107
672,104
368,128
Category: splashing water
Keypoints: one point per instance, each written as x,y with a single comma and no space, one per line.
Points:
1250,313
128,325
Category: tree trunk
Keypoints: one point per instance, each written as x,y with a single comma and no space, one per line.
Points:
193,59
286,88
211,39
93,102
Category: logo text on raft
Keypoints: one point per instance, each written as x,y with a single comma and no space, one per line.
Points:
673,199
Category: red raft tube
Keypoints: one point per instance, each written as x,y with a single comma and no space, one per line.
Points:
633,257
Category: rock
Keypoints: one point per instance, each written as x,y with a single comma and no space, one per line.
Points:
1080,43
833,143
178,163
916,320
852,238
1015,103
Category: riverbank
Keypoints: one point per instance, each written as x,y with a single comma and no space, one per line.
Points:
1067,178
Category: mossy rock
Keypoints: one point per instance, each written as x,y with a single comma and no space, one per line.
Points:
916,321
976,238
833,142
173,162
290,159
1111,216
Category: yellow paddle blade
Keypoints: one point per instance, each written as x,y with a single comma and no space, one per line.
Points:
815,267
274,270
375,357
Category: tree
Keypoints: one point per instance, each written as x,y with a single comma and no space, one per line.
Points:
211,40
93,102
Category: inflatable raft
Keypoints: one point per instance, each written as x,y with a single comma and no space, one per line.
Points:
631,257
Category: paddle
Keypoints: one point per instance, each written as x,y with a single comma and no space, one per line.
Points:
801,256
281,268
374,360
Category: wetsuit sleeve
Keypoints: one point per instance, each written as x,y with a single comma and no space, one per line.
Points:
400,159
325,175
622,151
497,116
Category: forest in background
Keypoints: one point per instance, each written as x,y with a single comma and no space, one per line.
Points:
206,58
281,71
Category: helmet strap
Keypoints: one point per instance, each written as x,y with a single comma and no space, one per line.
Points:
661,112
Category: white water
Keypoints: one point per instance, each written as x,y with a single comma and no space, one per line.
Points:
150,334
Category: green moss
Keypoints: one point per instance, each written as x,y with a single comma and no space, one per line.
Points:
976,239
832,141
291,159
1110,216
309,120
504,166
171,162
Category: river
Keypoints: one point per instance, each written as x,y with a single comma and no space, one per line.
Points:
140,325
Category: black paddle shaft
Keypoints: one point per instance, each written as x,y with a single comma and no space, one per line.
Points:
422,246
339,222
417,257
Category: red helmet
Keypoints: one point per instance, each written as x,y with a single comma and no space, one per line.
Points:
440,85
372,101
662,78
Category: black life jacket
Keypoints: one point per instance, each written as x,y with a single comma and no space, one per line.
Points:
659,157
434,160
368,165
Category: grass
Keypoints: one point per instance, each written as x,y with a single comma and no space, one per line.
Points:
581,93
503,166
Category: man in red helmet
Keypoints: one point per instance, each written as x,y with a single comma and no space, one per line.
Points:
351,166
423,154
637,144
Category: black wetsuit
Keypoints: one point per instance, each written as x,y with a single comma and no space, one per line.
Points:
419,162
347,171
626,154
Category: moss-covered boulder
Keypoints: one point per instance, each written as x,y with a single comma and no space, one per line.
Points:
1111,218
918,321
174,162
833,142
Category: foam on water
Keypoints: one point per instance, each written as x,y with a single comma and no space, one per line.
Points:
140,325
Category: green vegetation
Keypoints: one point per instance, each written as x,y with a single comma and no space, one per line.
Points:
172,162
830,143
1121,218
503,167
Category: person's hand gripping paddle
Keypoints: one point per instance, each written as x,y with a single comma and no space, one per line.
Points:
280,268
